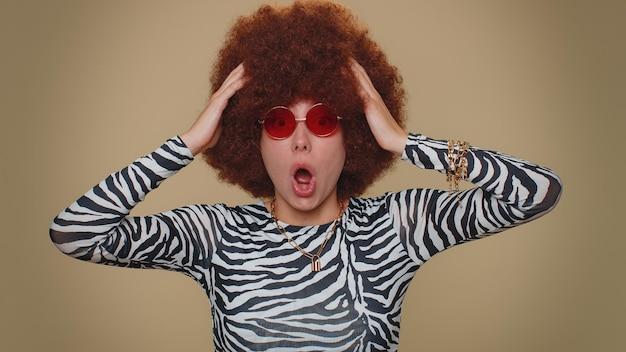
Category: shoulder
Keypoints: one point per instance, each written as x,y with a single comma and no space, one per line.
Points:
249,211
250,216
371,206
388,199
392,204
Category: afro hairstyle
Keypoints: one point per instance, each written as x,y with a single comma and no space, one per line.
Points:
301,52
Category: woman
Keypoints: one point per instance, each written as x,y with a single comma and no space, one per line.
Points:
305,114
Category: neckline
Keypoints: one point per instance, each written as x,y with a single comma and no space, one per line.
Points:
268,217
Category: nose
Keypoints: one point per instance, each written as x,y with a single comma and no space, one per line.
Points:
301,137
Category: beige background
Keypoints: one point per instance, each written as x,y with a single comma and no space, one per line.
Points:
88,86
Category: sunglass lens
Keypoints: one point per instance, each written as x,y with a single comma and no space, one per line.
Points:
279,123
321,121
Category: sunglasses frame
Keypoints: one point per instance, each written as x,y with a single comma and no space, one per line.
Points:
299,119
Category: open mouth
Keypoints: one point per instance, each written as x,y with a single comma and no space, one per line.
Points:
303,182
303,177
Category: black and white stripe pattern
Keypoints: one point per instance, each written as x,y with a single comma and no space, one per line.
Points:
263,293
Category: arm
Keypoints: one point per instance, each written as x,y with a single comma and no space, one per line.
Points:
509,191
96,226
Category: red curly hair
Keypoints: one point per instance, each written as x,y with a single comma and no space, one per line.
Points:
301,52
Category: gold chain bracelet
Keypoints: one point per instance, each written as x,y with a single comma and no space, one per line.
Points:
457,164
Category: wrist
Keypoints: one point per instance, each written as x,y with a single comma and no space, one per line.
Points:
191,142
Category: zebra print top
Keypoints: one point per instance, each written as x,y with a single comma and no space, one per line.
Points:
264,296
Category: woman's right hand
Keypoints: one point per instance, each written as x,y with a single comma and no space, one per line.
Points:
205,132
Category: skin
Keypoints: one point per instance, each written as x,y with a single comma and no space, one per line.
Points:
323,156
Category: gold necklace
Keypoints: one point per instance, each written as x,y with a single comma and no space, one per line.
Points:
316,264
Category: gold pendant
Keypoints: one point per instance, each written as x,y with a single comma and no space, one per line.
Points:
316,265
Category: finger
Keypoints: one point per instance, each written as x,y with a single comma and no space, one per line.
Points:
366,87
236,73
359,80
231,85
233,82
206,130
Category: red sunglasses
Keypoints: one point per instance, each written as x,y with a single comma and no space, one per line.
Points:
279,122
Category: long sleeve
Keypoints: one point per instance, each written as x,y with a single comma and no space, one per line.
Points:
509,192
96,227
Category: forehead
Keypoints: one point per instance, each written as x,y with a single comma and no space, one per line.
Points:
301,107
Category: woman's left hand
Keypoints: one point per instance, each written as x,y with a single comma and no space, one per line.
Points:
388,133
